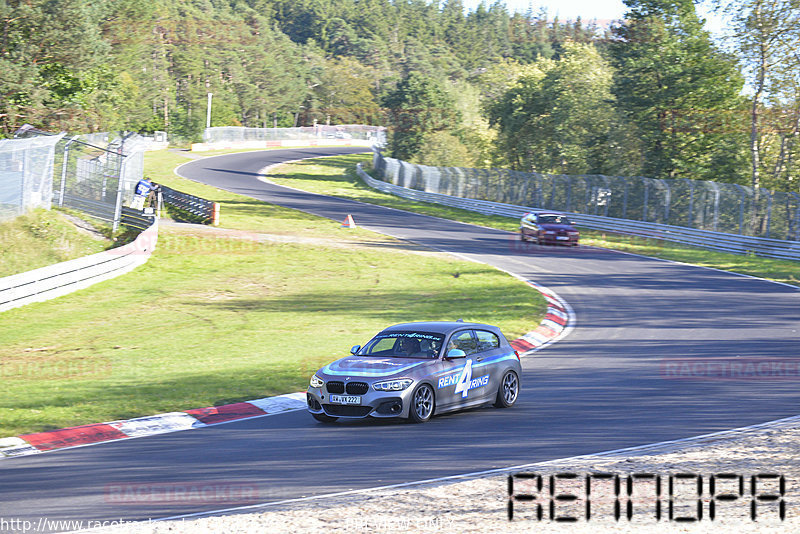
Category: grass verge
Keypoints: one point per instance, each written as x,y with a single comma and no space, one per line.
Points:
308,176
41,238
219,316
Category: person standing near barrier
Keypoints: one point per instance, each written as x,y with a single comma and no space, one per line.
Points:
142,191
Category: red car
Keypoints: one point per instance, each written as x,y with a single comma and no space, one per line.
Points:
549,228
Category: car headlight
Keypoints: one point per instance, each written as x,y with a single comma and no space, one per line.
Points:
316,382
573,233
392,385
550,232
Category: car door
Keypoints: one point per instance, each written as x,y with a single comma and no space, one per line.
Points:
458,384
454,373
489,357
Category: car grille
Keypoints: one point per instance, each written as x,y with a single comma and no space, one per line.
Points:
338,410
353,388
357,388
335,387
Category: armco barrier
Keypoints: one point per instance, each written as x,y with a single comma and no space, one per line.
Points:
198,208
737,244
133,218
65,277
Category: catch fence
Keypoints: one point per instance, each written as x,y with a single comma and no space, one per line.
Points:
95,173
703,205
376,135
26,174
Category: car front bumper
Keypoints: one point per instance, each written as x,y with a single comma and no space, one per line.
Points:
551,239
379,404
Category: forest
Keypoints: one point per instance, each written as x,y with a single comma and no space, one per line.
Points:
651,95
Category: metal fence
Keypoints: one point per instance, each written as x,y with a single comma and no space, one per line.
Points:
189,207
94,173
26,174
737,244
703,205
233,134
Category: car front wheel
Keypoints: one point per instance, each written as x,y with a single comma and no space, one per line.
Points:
508,391
422,403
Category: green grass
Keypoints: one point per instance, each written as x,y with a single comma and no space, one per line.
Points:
244,213
309,176
785,271
216,317
42,238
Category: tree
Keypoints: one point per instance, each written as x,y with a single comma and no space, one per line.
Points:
50,56
558,117
767,34
669,73
343,94
417,107
443,149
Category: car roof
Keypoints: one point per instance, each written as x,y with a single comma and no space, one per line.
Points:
439,327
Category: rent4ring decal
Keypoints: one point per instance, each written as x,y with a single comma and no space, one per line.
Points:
463,381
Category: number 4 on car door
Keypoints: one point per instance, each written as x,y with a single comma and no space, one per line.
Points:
462,386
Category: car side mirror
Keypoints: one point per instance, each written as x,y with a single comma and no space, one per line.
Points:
456,353
355,349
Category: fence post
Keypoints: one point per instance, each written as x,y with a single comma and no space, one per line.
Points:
769,211
741,209
715,187
118,204
64,171
667,201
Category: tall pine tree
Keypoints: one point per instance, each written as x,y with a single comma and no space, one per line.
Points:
674,84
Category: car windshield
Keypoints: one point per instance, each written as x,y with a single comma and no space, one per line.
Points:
553,219
410,344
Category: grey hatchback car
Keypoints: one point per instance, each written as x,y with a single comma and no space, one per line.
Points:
416,370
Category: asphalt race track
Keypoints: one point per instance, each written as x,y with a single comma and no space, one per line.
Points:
608,385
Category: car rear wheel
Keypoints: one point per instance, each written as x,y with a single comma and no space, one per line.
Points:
508,391
422,403
324,418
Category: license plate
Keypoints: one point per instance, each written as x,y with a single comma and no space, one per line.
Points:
344,399
562,238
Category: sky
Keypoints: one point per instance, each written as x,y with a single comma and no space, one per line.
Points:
603,11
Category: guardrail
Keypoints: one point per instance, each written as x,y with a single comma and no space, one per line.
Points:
737,244
139,220
65,277
196,208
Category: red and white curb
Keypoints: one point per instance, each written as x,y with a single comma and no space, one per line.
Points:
557,323
147,426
